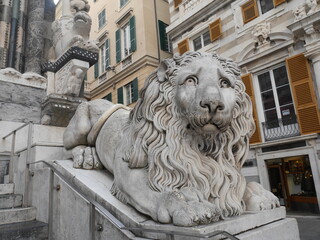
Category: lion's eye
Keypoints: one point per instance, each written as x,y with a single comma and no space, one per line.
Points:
191,81
224,83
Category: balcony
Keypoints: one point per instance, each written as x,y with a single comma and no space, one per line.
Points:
281,128
190,4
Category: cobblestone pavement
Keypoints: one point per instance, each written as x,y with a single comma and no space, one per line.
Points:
309,225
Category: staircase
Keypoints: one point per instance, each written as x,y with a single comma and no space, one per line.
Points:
17,222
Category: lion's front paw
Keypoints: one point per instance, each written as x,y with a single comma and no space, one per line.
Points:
186,208
257,198
85,157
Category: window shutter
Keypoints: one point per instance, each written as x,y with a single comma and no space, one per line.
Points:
177,3
108,97
247,80
96,70
120,95
164,46
183,46
249,11
215,30
303,94
107,60
118,46
135,94
278,2
133,34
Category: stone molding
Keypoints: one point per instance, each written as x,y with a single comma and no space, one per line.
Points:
27,79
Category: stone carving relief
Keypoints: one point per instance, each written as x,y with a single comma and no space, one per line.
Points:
307,8
261,33
68,80
73,30
177,155
300,12
312,5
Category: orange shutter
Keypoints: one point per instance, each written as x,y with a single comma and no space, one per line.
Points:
183,46
278,2
303,94
247,80
249,11
215,30
177,3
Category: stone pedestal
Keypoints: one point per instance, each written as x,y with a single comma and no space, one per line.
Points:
57,110
96,184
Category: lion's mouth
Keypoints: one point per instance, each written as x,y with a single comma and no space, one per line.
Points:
81,17
209,127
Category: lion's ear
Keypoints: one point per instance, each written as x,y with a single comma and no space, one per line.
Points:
162,69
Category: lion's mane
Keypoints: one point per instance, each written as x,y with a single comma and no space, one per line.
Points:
158,142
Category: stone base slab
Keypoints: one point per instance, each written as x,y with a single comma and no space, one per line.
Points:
265,225
57,110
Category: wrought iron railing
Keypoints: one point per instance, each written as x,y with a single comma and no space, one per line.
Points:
280,128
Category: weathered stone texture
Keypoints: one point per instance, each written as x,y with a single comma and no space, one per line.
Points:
20,103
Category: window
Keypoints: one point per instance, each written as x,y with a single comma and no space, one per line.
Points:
177,3
126,40
252,8
104,56
123,2
183,46
164,43
201,41
128,93
108,97
276,97
102,18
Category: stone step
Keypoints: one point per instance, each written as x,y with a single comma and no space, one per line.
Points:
31,230
15,215
6,188
10,201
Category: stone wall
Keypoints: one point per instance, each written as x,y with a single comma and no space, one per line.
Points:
20,103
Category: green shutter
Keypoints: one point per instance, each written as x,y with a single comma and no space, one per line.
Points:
118,45
108,97
96,70
120,95
133,34
107,60
135,94
163,36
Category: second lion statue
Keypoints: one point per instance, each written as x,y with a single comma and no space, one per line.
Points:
177,155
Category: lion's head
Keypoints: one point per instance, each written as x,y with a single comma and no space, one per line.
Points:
191,128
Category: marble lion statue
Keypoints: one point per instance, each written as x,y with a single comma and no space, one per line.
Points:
177,155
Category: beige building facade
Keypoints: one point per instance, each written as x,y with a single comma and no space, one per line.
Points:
132,39
276,45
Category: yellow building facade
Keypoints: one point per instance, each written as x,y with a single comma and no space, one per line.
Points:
132,41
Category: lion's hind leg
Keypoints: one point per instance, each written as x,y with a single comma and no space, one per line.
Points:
85,157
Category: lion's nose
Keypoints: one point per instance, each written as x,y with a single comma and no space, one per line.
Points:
212,106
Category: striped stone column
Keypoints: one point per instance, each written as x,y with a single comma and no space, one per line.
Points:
5,24
35,34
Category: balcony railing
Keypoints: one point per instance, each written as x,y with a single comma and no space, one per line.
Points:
190,4
281,128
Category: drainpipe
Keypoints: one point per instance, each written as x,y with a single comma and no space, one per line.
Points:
13,33
157,28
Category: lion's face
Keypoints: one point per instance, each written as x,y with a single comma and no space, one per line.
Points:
205,96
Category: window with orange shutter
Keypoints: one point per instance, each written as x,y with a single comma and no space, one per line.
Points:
177,3
303,94
215,30
249,11
183,46
247,80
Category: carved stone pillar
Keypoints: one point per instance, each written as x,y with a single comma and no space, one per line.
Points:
35,32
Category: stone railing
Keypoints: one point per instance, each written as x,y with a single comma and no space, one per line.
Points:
190,4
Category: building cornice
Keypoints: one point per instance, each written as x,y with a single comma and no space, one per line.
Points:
144,61
195,16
